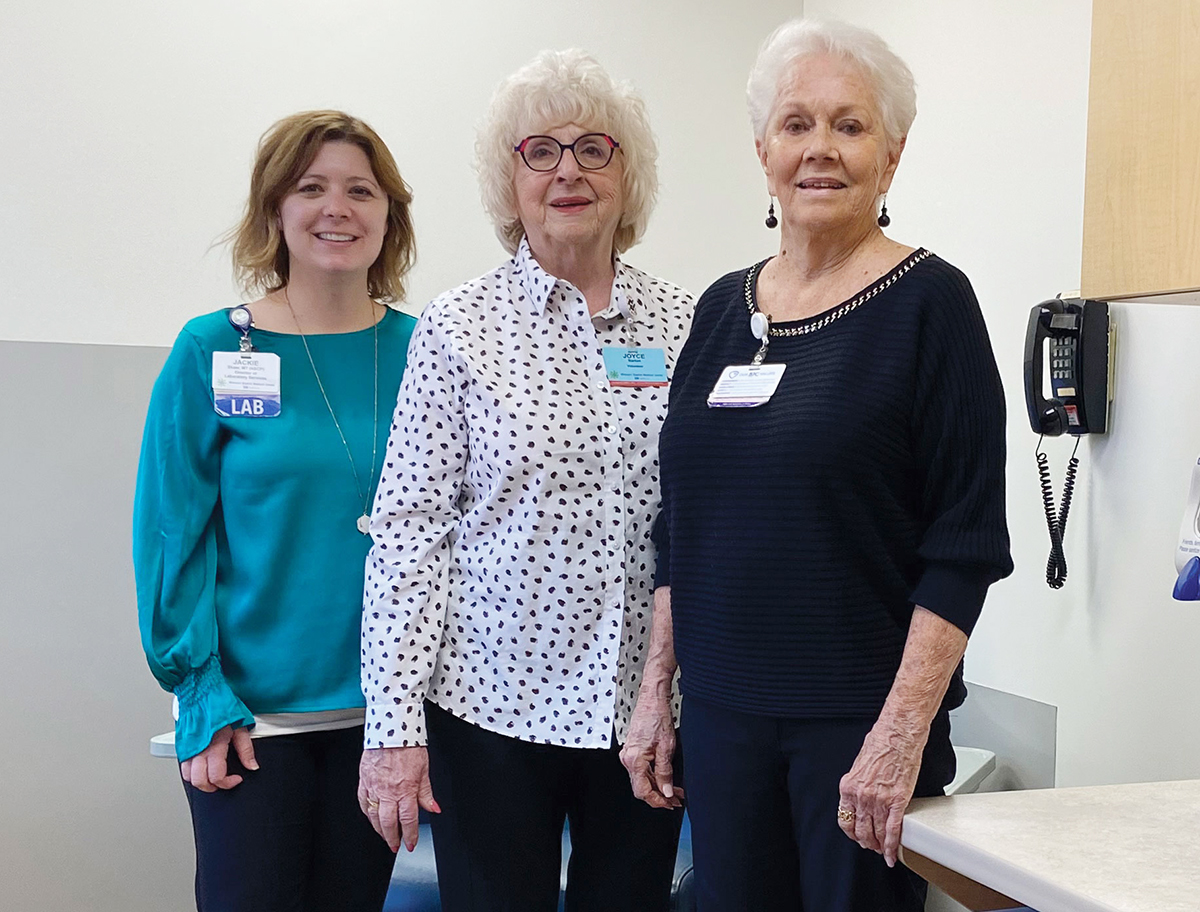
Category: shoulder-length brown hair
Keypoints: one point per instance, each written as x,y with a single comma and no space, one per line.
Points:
260,255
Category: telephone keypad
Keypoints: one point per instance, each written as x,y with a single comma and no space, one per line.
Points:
1062,358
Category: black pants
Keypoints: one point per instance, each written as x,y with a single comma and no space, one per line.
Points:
762,800
291,836
498,839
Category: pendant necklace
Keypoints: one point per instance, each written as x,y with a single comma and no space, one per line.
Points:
364,521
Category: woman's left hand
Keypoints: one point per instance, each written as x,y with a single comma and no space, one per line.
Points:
876,791
393,785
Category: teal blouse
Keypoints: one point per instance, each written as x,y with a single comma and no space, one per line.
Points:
248,562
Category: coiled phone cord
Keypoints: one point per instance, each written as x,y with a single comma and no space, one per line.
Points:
1056,523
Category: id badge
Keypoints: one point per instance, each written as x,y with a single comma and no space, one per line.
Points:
635,366
745,385
246,384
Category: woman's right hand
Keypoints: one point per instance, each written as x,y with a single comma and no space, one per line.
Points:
209,769
649,750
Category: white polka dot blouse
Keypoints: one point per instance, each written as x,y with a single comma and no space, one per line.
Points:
510,577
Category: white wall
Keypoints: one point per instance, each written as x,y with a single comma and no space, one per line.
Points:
992,179
130,129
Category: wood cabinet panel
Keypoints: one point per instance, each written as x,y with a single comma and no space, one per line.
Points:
1141,230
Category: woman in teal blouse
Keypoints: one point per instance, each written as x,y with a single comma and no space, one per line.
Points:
263,443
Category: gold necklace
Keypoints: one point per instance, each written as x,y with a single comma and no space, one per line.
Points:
364,521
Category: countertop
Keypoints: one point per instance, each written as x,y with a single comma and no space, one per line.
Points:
1111,848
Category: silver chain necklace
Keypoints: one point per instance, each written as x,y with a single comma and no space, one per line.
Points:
364,521
841,311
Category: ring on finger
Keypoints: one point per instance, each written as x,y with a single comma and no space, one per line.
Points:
372,803
845,814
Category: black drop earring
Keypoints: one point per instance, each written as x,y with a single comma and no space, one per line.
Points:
771,222
884,219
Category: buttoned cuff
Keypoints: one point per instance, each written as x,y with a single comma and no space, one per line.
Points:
395,724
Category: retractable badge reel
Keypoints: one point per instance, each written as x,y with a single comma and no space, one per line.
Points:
240,319
760,328
245,383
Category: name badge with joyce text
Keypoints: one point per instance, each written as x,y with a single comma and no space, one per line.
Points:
745,385
246,384
635,366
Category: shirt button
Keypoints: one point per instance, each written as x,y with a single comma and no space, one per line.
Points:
610,429
600,384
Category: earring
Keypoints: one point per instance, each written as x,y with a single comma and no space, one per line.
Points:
884,219
771,222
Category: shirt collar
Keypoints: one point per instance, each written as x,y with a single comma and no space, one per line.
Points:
537,283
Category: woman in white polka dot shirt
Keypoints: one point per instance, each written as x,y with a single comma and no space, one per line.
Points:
508,595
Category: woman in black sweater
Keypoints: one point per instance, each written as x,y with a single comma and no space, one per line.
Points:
825,545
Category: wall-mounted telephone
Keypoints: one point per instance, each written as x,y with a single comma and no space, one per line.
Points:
1078,336
1070,341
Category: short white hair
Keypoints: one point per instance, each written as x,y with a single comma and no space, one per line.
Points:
888,75
556,88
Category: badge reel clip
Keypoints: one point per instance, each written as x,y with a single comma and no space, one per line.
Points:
760,328
1187,554
240,319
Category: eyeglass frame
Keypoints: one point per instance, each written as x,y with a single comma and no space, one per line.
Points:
613,146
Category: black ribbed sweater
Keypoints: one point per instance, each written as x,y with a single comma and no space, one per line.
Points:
797,536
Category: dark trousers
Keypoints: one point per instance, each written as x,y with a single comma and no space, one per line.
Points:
291,836
762,800
498,838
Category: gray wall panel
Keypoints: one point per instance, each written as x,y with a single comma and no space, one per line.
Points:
90,820
1023,734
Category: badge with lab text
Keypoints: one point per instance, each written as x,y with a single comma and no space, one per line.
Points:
246,384
745,385
635,366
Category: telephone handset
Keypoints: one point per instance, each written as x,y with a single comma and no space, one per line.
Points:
1072,338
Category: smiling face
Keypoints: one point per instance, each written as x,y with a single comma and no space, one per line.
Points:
570,207
824,152
334,217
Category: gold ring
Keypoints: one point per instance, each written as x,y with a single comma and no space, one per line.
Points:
372,803
845,815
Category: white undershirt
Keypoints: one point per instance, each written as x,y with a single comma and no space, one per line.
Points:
267,725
